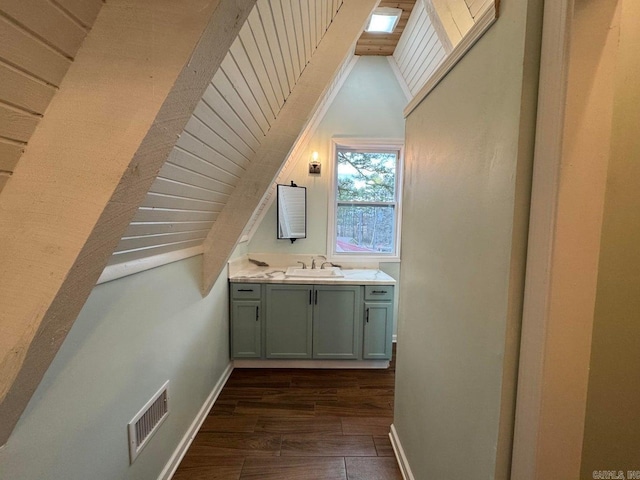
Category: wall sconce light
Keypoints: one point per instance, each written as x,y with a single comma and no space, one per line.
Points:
314,164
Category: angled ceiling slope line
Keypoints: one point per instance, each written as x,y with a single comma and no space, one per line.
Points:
88,167
300,148
225,132
280,140
39,42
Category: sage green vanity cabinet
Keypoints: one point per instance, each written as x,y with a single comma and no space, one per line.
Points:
321,322
336,321
288,318
246,320
378,322
312,321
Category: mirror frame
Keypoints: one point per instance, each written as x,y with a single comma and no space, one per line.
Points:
278,201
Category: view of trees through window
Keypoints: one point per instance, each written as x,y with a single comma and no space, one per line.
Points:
366,202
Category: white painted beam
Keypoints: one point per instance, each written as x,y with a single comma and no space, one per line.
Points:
120,109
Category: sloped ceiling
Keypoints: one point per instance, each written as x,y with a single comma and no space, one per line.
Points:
237,110
221,138
420,50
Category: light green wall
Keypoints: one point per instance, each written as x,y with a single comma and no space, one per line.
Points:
369,104
612,421
131,336
469,150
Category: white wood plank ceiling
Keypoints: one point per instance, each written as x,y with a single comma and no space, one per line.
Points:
419,51
221,138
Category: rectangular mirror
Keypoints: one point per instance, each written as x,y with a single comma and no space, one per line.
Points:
292,211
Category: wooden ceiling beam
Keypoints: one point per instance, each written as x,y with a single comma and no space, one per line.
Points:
281,138
121,107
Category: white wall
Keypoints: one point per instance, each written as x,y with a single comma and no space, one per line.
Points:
469,148
131,336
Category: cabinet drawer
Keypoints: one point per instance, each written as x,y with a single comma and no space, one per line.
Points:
245,290
378,292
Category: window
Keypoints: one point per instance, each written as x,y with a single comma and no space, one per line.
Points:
366,200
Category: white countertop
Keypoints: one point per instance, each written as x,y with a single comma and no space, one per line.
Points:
255,274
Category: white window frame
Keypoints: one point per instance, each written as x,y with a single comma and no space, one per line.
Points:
370,144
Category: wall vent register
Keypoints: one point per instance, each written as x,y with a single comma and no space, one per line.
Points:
147,421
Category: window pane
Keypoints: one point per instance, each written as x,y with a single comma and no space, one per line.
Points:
364,176
365,229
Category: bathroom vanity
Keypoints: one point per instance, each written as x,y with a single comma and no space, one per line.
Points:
310,321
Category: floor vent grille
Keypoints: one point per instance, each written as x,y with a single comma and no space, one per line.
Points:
147,421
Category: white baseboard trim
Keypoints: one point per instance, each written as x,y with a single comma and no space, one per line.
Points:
395,338
400,456
172,465
342,364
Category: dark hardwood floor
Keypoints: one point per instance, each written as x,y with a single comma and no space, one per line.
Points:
297,424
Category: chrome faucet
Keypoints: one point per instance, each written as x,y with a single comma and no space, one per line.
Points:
330,263
313,261
304,265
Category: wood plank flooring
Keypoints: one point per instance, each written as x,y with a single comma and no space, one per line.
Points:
270,424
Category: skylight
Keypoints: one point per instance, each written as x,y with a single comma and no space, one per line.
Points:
383,20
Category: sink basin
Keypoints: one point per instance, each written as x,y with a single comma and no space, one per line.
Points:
333,272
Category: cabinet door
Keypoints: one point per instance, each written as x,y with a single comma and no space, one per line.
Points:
336,322
288,321
246,329
378,330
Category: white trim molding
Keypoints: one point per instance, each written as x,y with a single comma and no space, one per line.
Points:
119,270
363,143
574,141
302,364
546,182
405,469
485,20
172,465
401,80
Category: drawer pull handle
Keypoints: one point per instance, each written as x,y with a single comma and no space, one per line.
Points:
367,315
245,289
310,297
378,292
257,313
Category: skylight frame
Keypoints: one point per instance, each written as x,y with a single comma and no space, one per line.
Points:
383,20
